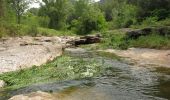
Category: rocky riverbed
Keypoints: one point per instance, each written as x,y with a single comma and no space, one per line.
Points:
24,52
144,57
117,81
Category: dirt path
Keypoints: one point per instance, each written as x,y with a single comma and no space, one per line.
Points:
144,57
23,52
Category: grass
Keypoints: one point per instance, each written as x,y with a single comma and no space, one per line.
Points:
151,22
52,32
63,68
153,41
117,39
22,30
113,39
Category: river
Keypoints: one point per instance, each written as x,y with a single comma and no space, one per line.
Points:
119,80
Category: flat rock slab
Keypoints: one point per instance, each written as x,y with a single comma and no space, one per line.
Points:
24,52
145,56
34,96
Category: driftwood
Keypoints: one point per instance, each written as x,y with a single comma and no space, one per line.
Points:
88,39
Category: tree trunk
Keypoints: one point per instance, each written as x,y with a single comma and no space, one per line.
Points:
18,18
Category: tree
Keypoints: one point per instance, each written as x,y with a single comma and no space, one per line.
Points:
57,11
1,8
88,17
152,8
118,12
20,6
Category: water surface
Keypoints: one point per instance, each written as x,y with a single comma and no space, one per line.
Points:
117,81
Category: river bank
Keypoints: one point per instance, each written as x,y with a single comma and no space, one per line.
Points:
24,52
144,56
114,79
81,67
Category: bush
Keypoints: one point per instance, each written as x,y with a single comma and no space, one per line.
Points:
114,39
90,20
33,30
124,16
150,21
161,13
11,30
43,21
154,41
1,32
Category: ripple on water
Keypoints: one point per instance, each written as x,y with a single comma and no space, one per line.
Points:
118,81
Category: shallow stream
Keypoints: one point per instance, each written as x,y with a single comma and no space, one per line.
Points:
119,80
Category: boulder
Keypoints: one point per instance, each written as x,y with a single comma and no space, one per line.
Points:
136,33
88,39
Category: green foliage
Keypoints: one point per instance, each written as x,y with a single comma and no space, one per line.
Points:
2,32
119,12
57,11
30,19
125,16
33,30
117,40
161,13
153,41
43,21
114,39
149,21
52,32
81,16
152,22
89,18
63,68
19,7
153,8
124,13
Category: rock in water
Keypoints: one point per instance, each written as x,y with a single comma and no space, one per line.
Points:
34,96
2,83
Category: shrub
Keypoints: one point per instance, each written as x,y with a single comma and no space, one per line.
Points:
12,29
161,13
114,39
91,20
1,32
154,41
43,21
124,16
150,21
33,30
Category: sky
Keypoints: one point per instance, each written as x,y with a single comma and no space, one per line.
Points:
36,5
